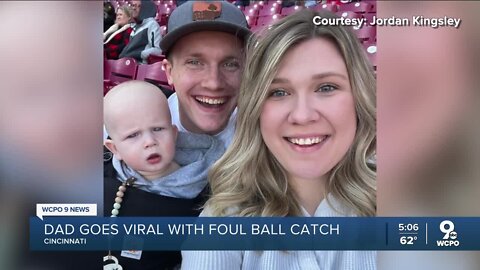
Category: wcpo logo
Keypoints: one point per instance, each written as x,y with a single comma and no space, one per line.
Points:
450,238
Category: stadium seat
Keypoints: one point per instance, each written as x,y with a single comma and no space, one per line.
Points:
251,21
366,33
123,69
369,16
358,7
242,8
264,20
330,7
269,11
290,10
256,28
268,20
153,73
371,49
252,12
349,14
164,9
106,68
152,58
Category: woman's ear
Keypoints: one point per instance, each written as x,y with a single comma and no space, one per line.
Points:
111,146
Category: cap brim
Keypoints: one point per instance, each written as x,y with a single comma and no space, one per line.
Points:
170,38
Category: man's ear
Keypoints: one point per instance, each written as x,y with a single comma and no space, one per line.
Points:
167,66
111,146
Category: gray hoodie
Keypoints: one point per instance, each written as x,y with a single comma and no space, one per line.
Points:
195,153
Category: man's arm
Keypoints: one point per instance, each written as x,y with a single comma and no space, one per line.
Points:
154,38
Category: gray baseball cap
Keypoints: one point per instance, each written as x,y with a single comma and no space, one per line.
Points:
195,16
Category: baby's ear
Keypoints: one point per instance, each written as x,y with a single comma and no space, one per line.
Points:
111,146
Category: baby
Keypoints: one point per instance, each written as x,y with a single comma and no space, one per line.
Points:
138,120
169,167
146,146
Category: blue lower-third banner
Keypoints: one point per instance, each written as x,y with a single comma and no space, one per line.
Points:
290,233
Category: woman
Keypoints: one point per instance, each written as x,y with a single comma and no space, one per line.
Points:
305,130
118,35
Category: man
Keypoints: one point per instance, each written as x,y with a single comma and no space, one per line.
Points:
145,38
205,55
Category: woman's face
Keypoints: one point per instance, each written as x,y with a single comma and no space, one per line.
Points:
122,18
308,120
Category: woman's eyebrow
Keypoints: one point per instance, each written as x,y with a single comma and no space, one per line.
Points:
280,80
329,74
315,76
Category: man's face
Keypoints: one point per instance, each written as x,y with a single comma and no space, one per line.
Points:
136,5
206,68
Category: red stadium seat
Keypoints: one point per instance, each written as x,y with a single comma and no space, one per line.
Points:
164,9
291,10
252,12
252,21
242,8
123,69
264,20
268,20
153,73
256,28
270,8
371,49
269,11
117,71
374,5
358,7
349,14
330,7
369,16
106,68
152,58
366,33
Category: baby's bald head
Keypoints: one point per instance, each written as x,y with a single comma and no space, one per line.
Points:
138,120
131,100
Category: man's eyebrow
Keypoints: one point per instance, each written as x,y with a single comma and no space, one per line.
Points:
193,54
198,54
231,57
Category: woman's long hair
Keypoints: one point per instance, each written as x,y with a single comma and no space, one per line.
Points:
248,180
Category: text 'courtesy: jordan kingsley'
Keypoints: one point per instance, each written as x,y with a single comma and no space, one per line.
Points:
418,21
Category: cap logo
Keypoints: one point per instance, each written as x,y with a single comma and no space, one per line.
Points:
206,11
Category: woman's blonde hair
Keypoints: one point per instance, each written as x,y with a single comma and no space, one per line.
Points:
248,180
127,10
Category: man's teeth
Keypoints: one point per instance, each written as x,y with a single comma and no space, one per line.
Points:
307,141
212,101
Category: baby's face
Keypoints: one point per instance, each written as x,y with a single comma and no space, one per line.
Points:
144,138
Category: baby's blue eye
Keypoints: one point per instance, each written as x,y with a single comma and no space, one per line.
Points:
158,129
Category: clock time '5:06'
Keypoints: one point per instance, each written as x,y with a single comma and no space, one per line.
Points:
407,227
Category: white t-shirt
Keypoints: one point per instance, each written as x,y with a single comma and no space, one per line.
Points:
225,135
284,260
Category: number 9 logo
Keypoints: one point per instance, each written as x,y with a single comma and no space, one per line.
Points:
447,227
